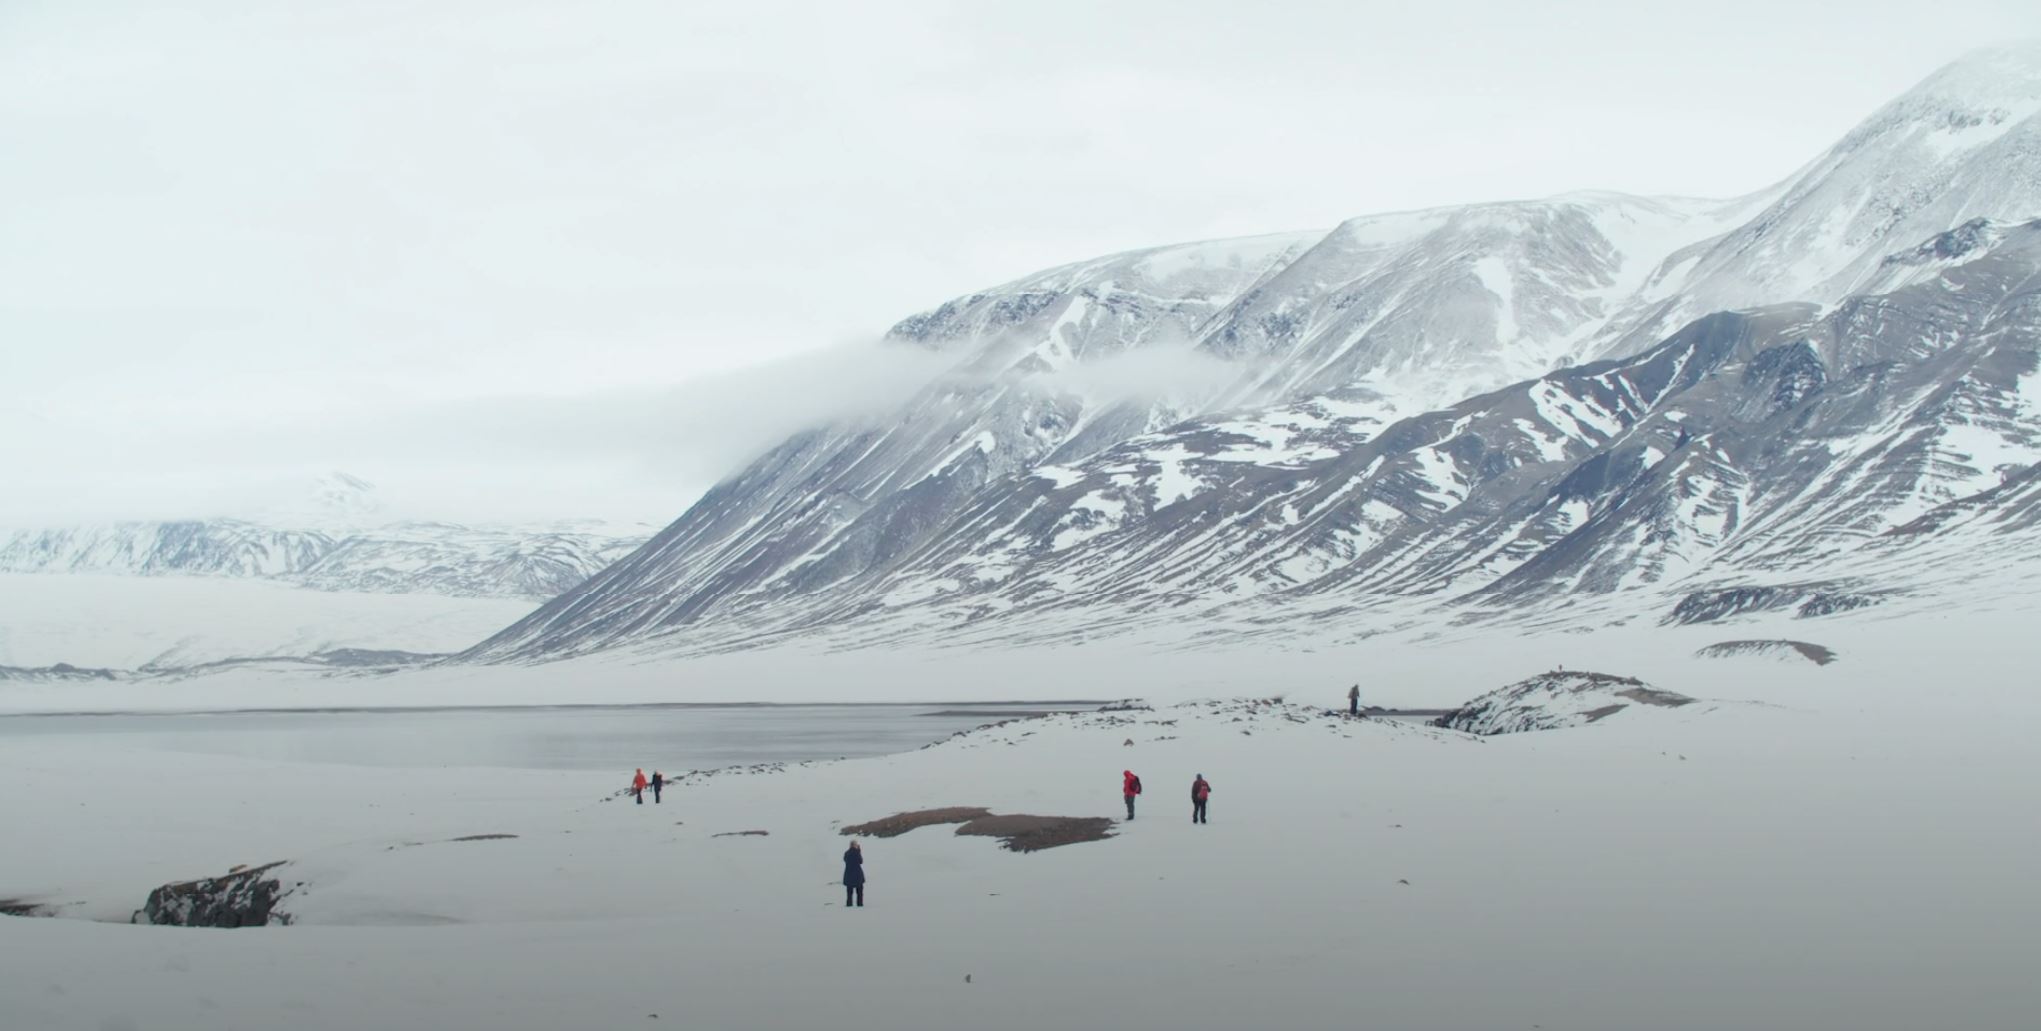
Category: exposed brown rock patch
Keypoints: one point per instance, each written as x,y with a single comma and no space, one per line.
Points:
900,823
1020,833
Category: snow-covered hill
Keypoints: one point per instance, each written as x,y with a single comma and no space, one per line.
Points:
334,542
323,574
1556,700
1808,392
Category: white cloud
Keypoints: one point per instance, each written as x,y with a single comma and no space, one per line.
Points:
627,453
228,218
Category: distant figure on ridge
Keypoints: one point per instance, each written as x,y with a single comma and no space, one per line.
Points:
1199,792
658,781
638,786
1130,786
1353,700
853,876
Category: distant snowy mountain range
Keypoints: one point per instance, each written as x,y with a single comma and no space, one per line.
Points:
1593,408
335,543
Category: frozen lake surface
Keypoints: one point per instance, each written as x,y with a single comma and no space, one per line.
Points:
672,738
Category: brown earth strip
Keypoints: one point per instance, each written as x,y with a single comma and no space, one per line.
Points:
1020,833
900,823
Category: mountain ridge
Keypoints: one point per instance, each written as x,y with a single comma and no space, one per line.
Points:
1368,386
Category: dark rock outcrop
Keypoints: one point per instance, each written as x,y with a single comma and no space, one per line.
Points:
243,898
1814,653
1809,600
22,907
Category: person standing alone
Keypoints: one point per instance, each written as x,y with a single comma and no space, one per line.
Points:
638,786
1130,786
1353,700
853,876
658,781
1199,792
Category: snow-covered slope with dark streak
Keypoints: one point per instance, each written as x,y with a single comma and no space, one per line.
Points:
1389,423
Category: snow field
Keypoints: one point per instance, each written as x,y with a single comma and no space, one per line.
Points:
124,622
1805,846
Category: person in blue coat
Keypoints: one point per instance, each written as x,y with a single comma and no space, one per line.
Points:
853,876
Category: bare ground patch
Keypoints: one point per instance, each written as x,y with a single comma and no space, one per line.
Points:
486,837
1021,833
740,834
900,823
18,907
1016,831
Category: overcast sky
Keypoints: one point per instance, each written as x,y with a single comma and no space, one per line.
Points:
518,259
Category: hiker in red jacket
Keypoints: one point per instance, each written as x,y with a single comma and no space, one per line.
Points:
1130,787
1199,792
638,786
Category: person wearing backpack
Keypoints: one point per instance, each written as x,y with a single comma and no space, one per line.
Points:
1130,786
658,781
1199,792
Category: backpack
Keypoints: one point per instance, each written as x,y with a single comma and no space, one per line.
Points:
1137,785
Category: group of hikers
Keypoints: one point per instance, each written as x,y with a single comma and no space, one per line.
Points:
854,856
1201,790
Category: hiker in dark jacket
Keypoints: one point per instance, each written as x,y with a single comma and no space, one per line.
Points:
1199,792
853,876
658,781
1353,700
1130,786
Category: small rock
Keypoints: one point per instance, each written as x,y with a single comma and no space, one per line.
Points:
1403,882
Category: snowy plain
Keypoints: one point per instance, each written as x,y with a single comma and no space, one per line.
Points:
1807,846
126,622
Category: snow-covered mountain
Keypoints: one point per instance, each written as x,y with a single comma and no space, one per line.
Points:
333,542
1799,397
1961,145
